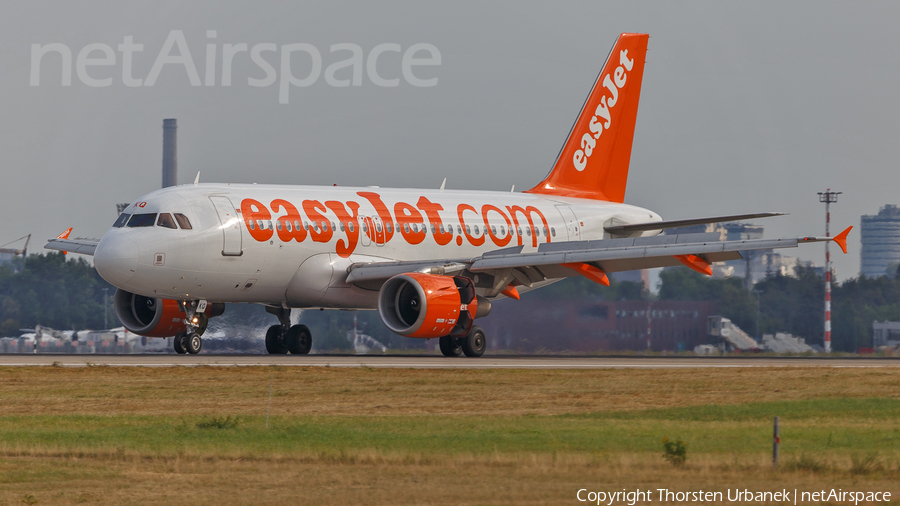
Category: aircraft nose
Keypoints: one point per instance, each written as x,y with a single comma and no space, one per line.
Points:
116,259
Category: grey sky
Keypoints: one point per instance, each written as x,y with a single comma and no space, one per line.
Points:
751,106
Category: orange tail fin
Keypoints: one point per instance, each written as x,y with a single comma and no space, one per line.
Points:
593,163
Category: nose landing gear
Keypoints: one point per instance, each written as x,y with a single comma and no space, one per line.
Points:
191,340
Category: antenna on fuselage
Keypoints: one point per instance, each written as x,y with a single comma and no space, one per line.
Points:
197,179
443,184
513,189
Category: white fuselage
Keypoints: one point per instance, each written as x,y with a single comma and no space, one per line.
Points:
244,244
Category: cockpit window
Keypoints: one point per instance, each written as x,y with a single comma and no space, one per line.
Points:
165,220
142,220
183,221
123,219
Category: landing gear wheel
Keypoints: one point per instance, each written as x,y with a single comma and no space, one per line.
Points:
450,346
194,343
275,344
298,339
180,343
474,344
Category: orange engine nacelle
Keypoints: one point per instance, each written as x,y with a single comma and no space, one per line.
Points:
154,317
426,305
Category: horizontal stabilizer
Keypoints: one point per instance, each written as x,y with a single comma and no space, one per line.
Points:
660,225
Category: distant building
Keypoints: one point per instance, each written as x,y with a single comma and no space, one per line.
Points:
759,263
7,257
635,276
532,325
885,334
880,236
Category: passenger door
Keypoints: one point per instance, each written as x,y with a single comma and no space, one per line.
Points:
231,226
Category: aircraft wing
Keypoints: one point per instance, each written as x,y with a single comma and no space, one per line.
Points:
614,255
592,259
82,246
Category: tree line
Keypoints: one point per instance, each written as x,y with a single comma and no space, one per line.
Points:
53,291
62,292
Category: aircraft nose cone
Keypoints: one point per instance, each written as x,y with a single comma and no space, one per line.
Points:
116,259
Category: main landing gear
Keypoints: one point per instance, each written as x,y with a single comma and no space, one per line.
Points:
284,338
473,344
191,340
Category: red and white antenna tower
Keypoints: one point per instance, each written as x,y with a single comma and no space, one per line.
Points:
828,197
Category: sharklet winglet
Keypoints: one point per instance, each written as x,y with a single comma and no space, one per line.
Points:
841,239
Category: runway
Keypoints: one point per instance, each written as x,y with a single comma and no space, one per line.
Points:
438,362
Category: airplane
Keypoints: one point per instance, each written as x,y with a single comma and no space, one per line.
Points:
430,261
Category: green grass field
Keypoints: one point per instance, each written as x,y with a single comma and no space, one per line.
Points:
199,435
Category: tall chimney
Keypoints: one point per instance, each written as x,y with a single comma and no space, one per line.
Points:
170,153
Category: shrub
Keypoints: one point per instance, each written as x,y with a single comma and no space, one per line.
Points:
675,452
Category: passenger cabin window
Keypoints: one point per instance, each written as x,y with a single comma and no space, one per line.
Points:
165,220
142,220
123,219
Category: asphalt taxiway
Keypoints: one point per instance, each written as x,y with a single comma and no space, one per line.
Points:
439,362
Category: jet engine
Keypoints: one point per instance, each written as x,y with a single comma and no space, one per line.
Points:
155,317
427,305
